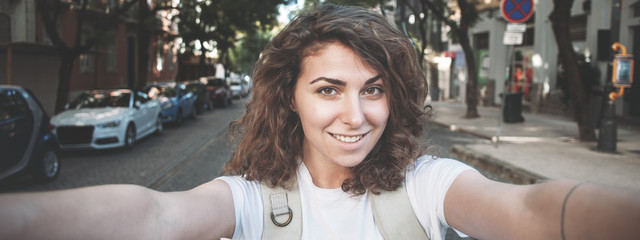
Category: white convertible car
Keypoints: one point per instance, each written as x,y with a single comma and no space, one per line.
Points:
107,118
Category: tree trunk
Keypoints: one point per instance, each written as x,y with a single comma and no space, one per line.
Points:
560,19
203,65
434,85
64,79
471,94
144,40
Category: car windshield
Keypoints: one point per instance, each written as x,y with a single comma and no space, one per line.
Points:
169,91
215,82
101,100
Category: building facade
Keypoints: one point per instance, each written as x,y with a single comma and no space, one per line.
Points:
535,66
29,59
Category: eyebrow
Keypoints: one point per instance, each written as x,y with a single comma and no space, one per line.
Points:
343,83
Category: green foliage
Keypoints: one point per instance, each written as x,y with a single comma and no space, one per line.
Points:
212,24
245,54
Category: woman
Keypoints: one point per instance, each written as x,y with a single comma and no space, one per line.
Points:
336,112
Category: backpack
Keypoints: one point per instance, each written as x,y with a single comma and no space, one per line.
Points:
392,213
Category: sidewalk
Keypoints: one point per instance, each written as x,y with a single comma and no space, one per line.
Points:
540,148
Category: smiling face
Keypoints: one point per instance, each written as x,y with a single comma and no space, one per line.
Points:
342,106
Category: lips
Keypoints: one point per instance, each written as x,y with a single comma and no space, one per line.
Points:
348,139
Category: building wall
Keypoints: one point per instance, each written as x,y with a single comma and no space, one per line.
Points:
22,21
544,52
26,27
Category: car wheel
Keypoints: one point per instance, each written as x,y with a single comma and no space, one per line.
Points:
199,108
210,105
194,114
130,137
47,166
225,103
230,101
179,117
159,126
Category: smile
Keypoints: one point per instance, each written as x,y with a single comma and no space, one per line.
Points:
348,139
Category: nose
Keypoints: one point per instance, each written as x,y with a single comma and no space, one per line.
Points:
353,112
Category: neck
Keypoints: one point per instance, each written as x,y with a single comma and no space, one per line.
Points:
327,176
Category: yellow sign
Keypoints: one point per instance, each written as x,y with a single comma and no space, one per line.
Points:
622,76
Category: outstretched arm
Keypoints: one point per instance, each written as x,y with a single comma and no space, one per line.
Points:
119,212
491,210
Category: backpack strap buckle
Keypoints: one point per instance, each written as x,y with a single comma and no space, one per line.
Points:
280,207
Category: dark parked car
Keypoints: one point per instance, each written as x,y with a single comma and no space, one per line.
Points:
220,92
203,102
27,144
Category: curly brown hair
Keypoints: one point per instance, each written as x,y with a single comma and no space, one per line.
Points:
270,132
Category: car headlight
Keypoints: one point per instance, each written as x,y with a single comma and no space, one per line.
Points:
109,124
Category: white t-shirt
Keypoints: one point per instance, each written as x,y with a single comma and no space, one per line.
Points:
334,214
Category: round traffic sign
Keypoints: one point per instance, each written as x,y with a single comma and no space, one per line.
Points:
516,11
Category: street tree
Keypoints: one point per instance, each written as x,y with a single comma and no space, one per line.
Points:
86,18
148,24
246,53
468,16
213,26
560,22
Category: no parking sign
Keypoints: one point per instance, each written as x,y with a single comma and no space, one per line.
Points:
516,11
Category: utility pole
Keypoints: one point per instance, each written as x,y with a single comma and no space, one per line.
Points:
608,134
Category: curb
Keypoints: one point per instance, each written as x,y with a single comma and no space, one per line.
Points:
456,129
496,166
488,163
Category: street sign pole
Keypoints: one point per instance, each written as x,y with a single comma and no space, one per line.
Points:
505,90
515,12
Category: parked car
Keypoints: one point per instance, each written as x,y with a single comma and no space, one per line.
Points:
107,118
27,144
203,102
220,92
239,88
176,100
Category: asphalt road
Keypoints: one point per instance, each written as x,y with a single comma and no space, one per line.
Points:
179,159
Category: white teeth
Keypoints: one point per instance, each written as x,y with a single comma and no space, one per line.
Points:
347,138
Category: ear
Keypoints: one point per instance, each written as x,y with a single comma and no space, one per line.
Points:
292,105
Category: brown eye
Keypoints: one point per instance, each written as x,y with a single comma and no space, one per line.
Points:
372,91
327,91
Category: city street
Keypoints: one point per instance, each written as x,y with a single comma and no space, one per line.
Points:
179,159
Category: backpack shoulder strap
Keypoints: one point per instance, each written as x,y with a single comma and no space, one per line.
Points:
282,213
392,212
394,215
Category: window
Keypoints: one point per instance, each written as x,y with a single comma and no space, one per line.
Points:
5,28
13,105
142,97
160,56
481,40
528,37
86,63
112,62
636,9
86,59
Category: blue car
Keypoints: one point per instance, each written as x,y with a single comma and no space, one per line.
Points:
176,100
27,143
